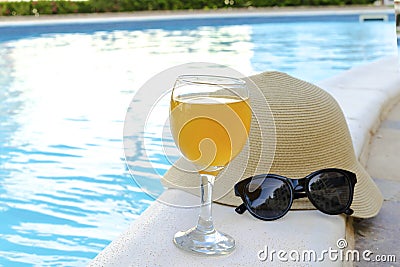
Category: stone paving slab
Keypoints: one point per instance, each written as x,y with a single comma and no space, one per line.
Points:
381,234
384,159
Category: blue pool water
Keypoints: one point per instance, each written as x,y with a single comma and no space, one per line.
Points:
65,191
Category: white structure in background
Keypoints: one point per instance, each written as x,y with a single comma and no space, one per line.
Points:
384,2
388,2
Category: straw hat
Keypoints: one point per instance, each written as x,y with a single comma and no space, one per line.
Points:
297,128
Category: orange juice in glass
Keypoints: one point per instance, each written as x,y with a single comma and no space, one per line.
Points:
210,121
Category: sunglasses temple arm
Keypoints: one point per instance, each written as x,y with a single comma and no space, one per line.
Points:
241,209
349,211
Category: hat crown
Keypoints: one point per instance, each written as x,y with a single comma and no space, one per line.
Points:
311,132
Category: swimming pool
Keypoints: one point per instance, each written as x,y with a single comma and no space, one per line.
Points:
65,192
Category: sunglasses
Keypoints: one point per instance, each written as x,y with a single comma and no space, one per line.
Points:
269,196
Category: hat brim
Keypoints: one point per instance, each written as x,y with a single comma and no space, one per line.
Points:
367,199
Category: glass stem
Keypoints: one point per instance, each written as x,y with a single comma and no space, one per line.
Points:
205,222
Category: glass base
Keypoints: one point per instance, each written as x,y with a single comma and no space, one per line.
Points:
212,243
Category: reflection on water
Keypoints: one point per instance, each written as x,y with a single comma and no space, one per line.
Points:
65,192
314,51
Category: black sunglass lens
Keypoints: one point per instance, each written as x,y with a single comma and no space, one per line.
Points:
268,197
330,191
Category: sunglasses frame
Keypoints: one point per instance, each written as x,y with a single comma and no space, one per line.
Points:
298,189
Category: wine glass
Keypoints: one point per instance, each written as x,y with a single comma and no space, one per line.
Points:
210,121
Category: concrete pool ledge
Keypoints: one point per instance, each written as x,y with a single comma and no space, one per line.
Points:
365,94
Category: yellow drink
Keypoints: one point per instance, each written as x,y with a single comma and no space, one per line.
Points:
210,123
210,131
